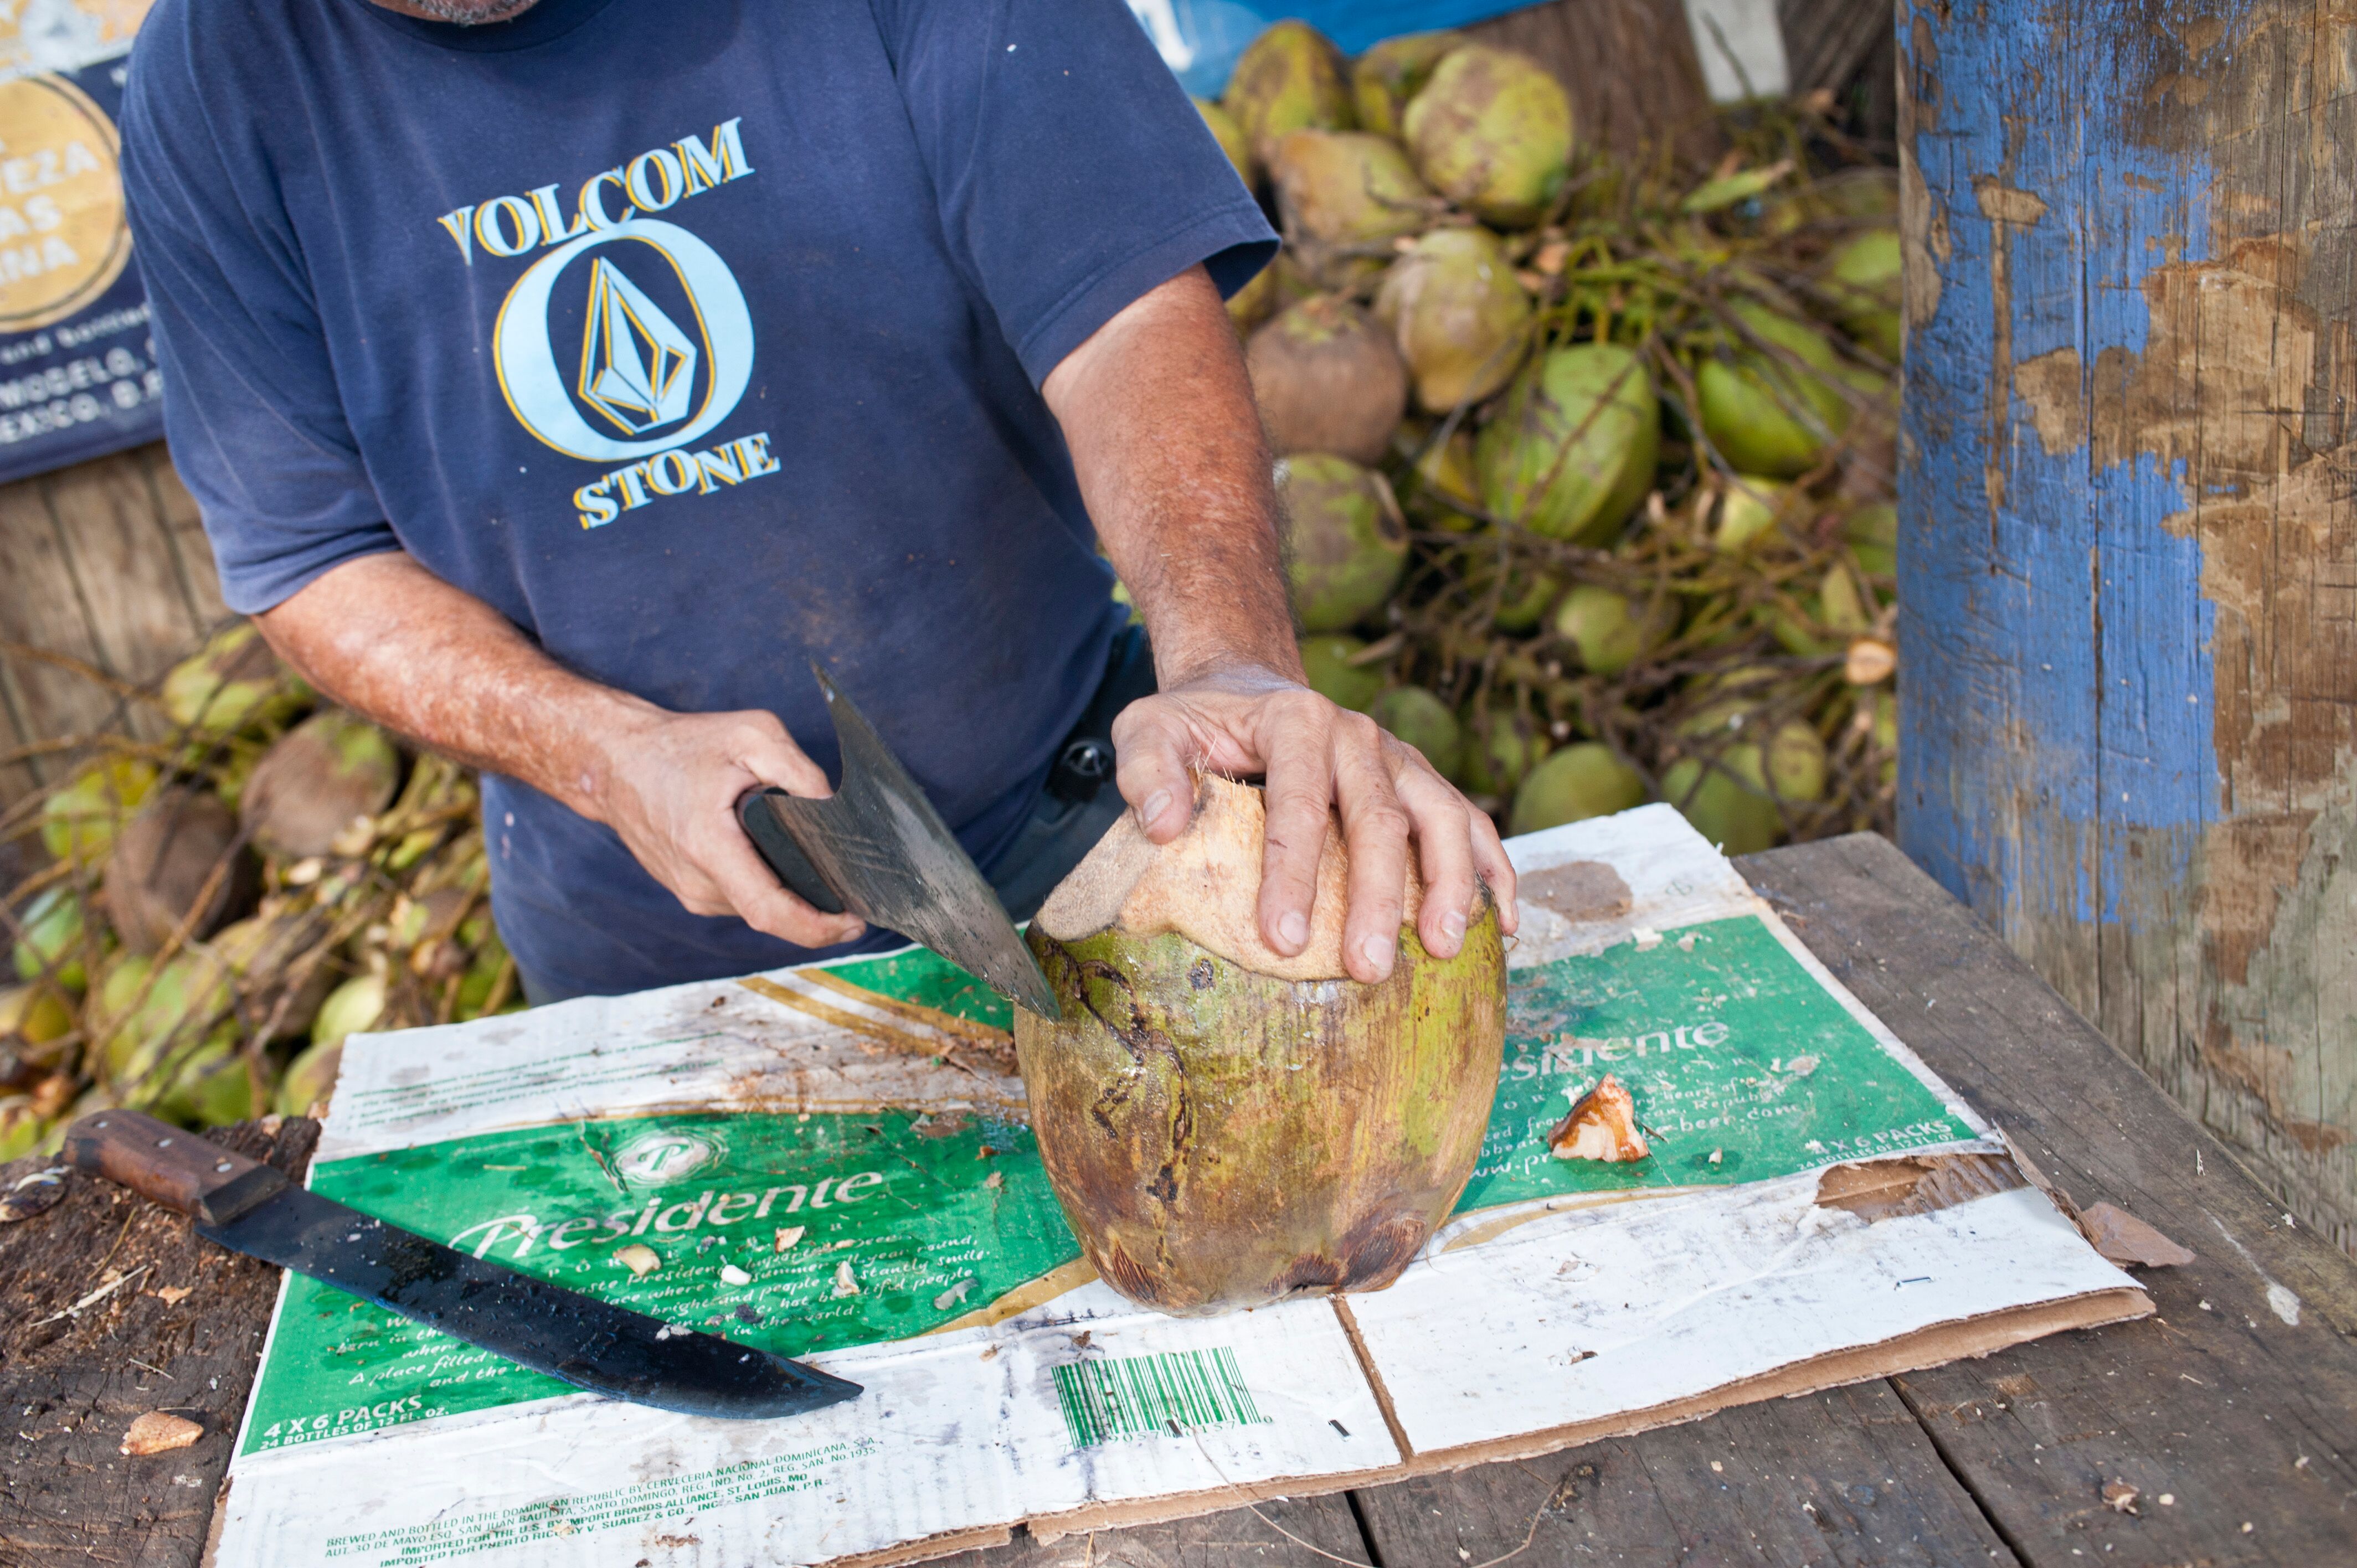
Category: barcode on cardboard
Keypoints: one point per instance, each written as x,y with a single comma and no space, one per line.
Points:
1115,1399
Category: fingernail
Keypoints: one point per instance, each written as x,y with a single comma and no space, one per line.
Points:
1293,929
1454,923
1379,954
1151,811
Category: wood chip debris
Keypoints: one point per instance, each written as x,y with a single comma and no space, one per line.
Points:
730,1274
31,1194
951,1296
2120,1497
158,1431
1602,1126
173,1295
790,1235
2126,1240
845,1285
639,1258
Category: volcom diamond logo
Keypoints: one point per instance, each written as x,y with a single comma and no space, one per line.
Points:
637,366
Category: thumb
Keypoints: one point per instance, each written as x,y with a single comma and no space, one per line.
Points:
1155,749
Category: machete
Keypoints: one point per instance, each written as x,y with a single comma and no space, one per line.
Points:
878,848
249,1207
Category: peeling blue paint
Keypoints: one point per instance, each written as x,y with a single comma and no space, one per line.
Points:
2055,700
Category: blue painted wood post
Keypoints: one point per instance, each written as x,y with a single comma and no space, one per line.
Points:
2128,556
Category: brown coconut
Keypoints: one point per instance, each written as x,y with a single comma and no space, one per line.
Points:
163,859
1223,1125
314,781
1344,197
1326,380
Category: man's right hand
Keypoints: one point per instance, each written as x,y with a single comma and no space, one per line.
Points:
388,639
671,787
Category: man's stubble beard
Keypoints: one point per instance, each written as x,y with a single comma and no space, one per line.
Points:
465,13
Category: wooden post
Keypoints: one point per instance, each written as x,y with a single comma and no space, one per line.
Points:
2129,545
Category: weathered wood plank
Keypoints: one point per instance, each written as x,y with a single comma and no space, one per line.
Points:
1628,65
120,553
70,1389
1843,1478
2129,536
1240,1538
2239,1399
41,606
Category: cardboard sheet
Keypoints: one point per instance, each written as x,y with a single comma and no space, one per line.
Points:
848,1145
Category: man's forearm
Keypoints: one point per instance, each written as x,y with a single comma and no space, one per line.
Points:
389,640
1166,442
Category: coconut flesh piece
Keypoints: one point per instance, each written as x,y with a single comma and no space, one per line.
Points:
1225,1125
1602,1126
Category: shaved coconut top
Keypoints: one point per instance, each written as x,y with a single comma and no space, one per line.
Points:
1205,886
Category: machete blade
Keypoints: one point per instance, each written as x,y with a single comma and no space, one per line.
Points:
591,1344
880,846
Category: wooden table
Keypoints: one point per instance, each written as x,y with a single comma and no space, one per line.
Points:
2237,1402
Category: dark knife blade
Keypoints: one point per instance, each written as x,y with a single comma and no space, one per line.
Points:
878,848
591,1344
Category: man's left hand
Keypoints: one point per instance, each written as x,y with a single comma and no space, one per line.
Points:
1314,755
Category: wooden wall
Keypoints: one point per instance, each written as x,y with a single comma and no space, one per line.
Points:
106,563
2129,545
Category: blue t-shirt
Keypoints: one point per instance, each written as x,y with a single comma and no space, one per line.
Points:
698,339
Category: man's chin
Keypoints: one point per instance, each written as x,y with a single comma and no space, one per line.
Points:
464,13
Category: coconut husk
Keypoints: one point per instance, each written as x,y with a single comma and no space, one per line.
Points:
1225,1126
1491,131
1344,197
163,862
1461,320
234,681
1289,78
1394,72
1346,540
1572,451
320,775
1326,380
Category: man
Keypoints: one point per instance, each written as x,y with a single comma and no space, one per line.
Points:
557,379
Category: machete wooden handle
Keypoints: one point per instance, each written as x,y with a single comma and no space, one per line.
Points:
170,1164
778,846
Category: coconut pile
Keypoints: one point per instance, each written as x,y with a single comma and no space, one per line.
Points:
222,905
1587,464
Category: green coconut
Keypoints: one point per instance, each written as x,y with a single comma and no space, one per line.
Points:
1872,532
32,1015
1612,630
180,847
187,1002
1764,414
1326,380
213,1086
1861,278
233,682
52,942
1572,784
1231,137
1346,540
1425,721
351,1008
315,780
1735,803
1500,748
1446,484
1384,79
21,1128
1461,319
1344,197
1747,512
1326,659
1571,453
310,1080
78,822
1840,605
1885,734
1491,132
1227,1127
1529,594
1289,78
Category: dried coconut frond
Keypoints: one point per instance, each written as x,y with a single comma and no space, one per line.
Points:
1602,1126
